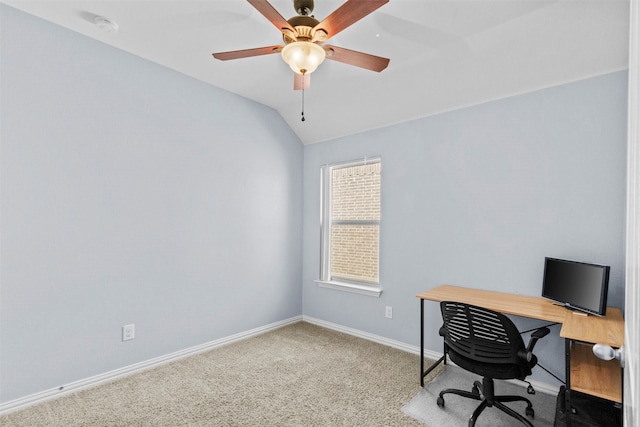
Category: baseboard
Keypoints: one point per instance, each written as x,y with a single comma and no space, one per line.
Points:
434,355
549,389
43,396
40,397
372,337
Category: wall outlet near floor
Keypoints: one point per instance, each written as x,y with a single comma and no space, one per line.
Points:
388,312
128,332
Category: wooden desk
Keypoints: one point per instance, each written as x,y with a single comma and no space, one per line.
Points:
603,330
584,372
519,305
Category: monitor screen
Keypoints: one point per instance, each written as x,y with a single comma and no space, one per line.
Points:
576,285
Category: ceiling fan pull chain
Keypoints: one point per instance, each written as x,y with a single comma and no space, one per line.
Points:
302,99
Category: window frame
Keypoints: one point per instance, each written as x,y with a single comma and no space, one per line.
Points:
325,280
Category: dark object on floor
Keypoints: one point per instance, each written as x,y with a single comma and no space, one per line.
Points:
589,411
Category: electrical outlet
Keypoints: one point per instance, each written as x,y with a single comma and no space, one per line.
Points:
388,312
128,332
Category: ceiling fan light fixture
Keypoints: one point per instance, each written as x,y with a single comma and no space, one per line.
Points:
303,57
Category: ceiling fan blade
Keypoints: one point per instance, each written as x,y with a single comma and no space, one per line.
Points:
247,53
301,81
347,14
269,12
359,59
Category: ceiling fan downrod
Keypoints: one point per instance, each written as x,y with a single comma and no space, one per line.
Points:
303,7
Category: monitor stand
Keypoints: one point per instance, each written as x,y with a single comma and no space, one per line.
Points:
568,307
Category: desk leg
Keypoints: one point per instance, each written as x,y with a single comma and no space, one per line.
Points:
424,373
421,342
567,377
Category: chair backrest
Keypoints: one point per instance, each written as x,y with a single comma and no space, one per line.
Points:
480,334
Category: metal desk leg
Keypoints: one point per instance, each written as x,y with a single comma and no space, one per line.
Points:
424,373
567,391
421,342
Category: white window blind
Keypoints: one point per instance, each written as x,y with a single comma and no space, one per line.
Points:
350,226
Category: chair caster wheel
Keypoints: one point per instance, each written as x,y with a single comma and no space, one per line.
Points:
529,412
475,390
440,401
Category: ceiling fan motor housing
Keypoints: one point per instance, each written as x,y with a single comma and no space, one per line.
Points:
304,26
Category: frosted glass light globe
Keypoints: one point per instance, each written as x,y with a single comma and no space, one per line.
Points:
303,57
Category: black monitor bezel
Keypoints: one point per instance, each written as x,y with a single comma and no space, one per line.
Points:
604,287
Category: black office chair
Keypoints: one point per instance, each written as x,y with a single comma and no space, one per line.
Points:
487,343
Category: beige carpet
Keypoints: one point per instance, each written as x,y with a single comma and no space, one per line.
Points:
457,409
298,375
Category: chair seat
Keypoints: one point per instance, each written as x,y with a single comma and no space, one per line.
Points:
500,371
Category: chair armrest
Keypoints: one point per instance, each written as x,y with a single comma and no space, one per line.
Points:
527,354
540,333
535,336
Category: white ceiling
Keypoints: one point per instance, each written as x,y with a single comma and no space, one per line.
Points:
445,54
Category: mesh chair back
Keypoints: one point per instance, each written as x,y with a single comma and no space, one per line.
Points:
480,334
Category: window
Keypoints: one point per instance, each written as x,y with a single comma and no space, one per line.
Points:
350,226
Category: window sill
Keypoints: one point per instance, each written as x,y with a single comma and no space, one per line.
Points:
372,291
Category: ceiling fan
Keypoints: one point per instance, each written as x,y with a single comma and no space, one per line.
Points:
304,38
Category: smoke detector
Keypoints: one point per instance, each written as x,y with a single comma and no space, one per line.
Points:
105,25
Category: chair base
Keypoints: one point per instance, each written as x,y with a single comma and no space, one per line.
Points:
488,399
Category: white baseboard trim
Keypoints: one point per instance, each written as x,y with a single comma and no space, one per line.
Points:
372,337
434,355
40,397
545,388
43,396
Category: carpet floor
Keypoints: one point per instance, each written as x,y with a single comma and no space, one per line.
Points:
297,375
457,410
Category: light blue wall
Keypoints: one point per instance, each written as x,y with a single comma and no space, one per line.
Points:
478,197
133,194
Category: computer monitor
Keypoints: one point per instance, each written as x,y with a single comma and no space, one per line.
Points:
576,285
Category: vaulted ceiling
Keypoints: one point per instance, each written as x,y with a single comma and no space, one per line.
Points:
444,54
